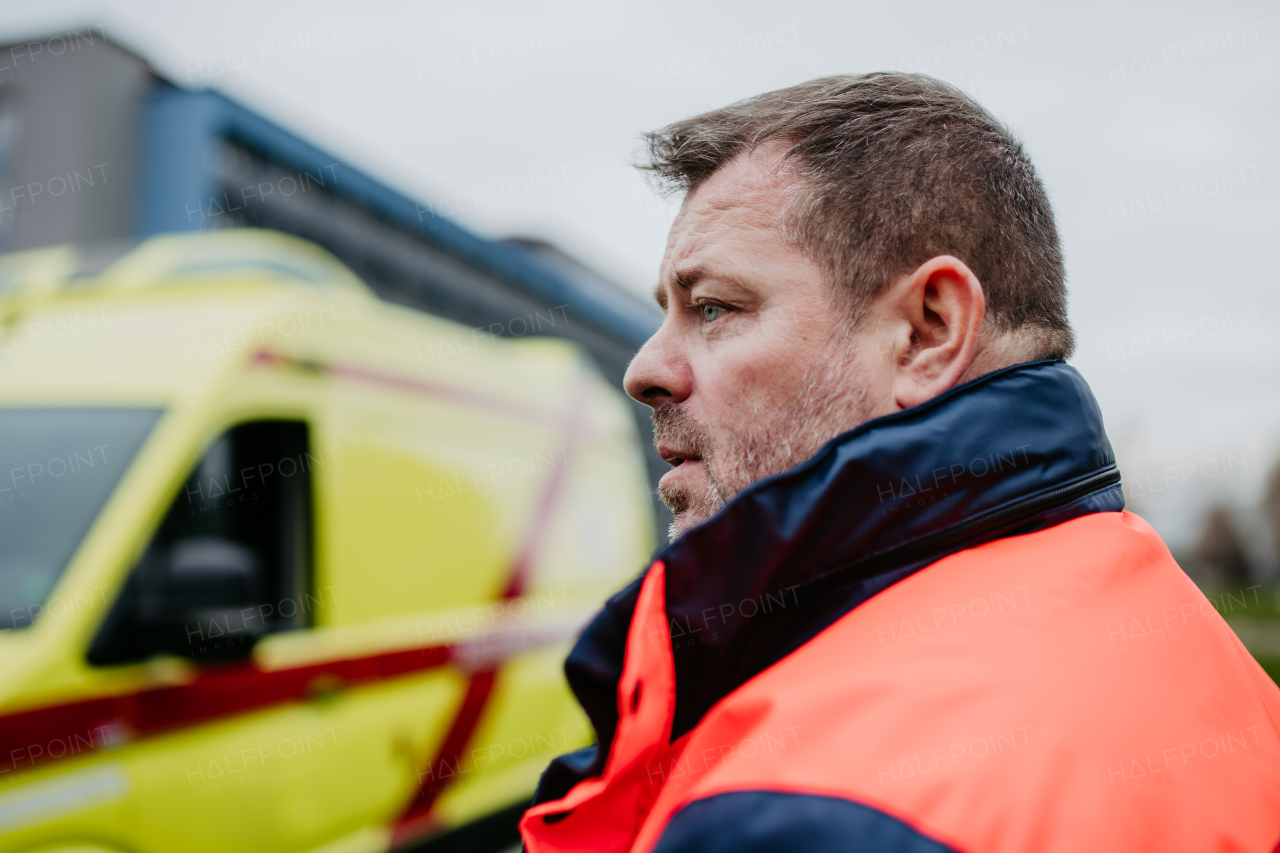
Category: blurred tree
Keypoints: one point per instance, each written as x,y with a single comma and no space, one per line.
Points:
1221,549
1271,505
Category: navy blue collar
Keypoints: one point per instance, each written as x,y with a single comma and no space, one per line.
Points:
1013,451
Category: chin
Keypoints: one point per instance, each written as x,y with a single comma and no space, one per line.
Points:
687,519
692,501
678,526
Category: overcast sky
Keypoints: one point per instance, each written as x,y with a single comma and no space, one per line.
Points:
1154,127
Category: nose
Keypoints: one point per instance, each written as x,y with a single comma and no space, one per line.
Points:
658,375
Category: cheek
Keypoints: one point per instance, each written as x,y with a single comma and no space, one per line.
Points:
743,381
871,372
754,368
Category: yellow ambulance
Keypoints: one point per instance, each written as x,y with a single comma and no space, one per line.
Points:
284,567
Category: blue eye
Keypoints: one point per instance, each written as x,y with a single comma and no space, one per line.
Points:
711,311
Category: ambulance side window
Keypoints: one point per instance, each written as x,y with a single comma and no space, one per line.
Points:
232,559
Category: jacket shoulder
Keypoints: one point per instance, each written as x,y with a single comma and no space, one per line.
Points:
997,695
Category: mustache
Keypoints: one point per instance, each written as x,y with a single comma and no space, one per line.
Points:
674,426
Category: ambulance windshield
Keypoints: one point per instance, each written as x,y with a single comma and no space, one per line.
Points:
57,468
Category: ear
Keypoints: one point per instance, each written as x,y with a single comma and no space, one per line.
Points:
939,309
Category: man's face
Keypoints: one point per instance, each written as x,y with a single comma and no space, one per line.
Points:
755,366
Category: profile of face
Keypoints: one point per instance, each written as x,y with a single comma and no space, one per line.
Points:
757,363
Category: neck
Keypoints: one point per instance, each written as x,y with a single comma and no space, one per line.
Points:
997,351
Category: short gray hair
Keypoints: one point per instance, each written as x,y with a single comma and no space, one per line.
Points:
896,169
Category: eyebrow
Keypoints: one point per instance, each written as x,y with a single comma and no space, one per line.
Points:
685,280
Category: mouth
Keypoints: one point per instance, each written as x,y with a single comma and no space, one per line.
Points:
675,457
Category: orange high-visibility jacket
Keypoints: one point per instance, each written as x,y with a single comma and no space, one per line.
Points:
940,633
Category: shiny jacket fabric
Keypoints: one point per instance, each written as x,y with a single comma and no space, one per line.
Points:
940,633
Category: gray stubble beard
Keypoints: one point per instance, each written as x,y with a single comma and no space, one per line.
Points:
769,443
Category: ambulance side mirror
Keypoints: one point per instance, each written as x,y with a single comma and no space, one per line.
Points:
211,572
210,598
197,598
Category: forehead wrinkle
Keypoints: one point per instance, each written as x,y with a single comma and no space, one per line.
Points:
752,187
682,244
732,199
757,207
712,243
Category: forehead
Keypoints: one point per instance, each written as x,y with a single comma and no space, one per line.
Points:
744,195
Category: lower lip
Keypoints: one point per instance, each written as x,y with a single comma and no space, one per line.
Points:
670,478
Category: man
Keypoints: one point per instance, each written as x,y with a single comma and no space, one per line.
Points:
903,609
